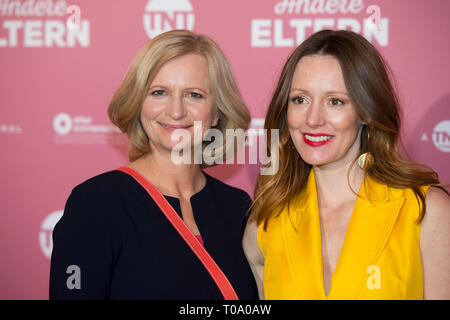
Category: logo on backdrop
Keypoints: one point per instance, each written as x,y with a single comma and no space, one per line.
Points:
292,21
162,15
45,235
440,136
10,128
428,141
42,24
82,130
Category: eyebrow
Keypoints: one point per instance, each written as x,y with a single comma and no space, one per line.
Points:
166,88
199,89
327,93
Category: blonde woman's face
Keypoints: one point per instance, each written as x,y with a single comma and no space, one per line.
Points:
322,120
179,95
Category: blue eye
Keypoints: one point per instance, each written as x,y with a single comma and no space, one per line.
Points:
195,95
158,93
336,102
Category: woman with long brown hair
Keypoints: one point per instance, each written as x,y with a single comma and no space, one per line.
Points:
346,216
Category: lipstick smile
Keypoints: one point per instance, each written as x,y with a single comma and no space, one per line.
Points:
316,139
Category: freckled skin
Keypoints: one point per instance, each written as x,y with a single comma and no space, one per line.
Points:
319,103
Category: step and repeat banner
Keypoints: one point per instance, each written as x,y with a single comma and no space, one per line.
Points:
61,62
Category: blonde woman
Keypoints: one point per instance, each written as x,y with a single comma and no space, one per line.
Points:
113,231
346,216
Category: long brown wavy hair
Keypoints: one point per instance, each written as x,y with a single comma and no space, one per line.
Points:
367,80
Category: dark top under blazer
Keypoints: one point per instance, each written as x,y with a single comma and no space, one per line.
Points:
126,248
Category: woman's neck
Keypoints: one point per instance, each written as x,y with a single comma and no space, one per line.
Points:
337,184
175,180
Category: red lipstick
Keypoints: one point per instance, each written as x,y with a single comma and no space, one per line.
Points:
316,139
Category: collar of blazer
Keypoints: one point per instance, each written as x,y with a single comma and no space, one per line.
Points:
374,214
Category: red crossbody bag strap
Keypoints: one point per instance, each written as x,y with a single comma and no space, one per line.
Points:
216,273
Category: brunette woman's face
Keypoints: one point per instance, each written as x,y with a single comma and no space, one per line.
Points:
322,120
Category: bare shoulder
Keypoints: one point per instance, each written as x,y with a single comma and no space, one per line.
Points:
437,215
435,245
437,207
437,197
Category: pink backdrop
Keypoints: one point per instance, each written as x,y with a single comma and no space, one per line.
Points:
56,83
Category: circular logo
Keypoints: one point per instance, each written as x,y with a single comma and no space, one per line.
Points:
441,136
45,235
162,15
62,123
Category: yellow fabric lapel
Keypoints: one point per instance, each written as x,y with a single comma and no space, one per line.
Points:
301,232
371,223
373,218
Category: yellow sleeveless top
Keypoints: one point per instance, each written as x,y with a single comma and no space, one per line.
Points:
380,257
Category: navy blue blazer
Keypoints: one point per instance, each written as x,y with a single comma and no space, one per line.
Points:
125,248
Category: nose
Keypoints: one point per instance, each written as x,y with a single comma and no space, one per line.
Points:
314,115
176,108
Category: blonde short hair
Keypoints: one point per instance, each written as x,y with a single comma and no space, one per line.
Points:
126,104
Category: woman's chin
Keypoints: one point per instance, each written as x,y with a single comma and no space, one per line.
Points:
315,161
